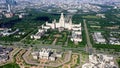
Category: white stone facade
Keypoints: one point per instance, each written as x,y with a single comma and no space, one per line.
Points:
100,61
38,35
76,28
62,23
48,54
99,38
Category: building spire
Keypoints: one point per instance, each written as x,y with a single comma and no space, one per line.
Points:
62,21
62,16
70,21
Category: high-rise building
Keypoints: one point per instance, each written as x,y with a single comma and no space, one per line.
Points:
9,8
2,1
11,2
66,23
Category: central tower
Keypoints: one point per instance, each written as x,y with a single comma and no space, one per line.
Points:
62,20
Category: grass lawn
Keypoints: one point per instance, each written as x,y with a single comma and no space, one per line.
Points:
91,16
119,63
11,65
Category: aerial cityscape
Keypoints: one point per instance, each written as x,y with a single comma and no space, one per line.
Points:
59,33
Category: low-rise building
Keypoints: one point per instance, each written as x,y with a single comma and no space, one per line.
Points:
59,54
52,57
114,41
114,38
48,54
98,38
101,15
4,53
7,33
76,36
39,34
100,61
8,15
35,55
76,33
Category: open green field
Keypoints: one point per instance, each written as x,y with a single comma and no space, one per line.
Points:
49,38
105,26
15,37
91,16
61,40
119,63
11,65
27,24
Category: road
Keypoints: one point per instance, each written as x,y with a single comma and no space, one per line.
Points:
89,45
59,47
27,35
